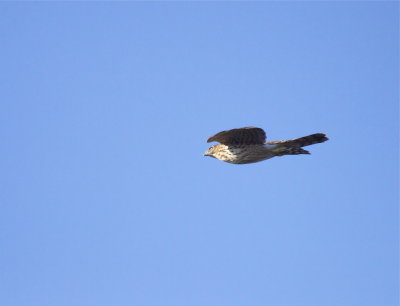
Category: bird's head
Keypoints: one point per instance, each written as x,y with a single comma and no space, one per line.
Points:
210,152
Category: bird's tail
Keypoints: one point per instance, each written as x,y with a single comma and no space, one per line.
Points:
294,146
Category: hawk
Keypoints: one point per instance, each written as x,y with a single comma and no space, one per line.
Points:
247,145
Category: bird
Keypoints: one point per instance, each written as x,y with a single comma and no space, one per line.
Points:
248,145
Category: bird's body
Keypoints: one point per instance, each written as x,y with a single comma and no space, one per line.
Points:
243,154
247,145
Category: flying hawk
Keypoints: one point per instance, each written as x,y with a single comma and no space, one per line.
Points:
247,145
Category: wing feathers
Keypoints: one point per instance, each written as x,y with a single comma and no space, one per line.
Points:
246,135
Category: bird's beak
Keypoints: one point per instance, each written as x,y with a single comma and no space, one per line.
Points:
205,154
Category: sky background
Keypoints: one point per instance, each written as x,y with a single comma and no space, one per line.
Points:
106,198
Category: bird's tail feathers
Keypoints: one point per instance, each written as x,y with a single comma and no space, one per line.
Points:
294,146
303,141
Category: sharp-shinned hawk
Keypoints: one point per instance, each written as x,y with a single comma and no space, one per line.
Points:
247,145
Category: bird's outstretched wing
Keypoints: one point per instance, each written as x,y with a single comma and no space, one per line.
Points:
245,135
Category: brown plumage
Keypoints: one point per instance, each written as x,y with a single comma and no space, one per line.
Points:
247,145
246,135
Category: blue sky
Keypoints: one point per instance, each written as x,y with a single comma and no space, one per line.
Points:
107,198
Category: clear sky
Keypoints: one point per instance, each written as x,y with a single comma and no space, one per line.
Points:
107,199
